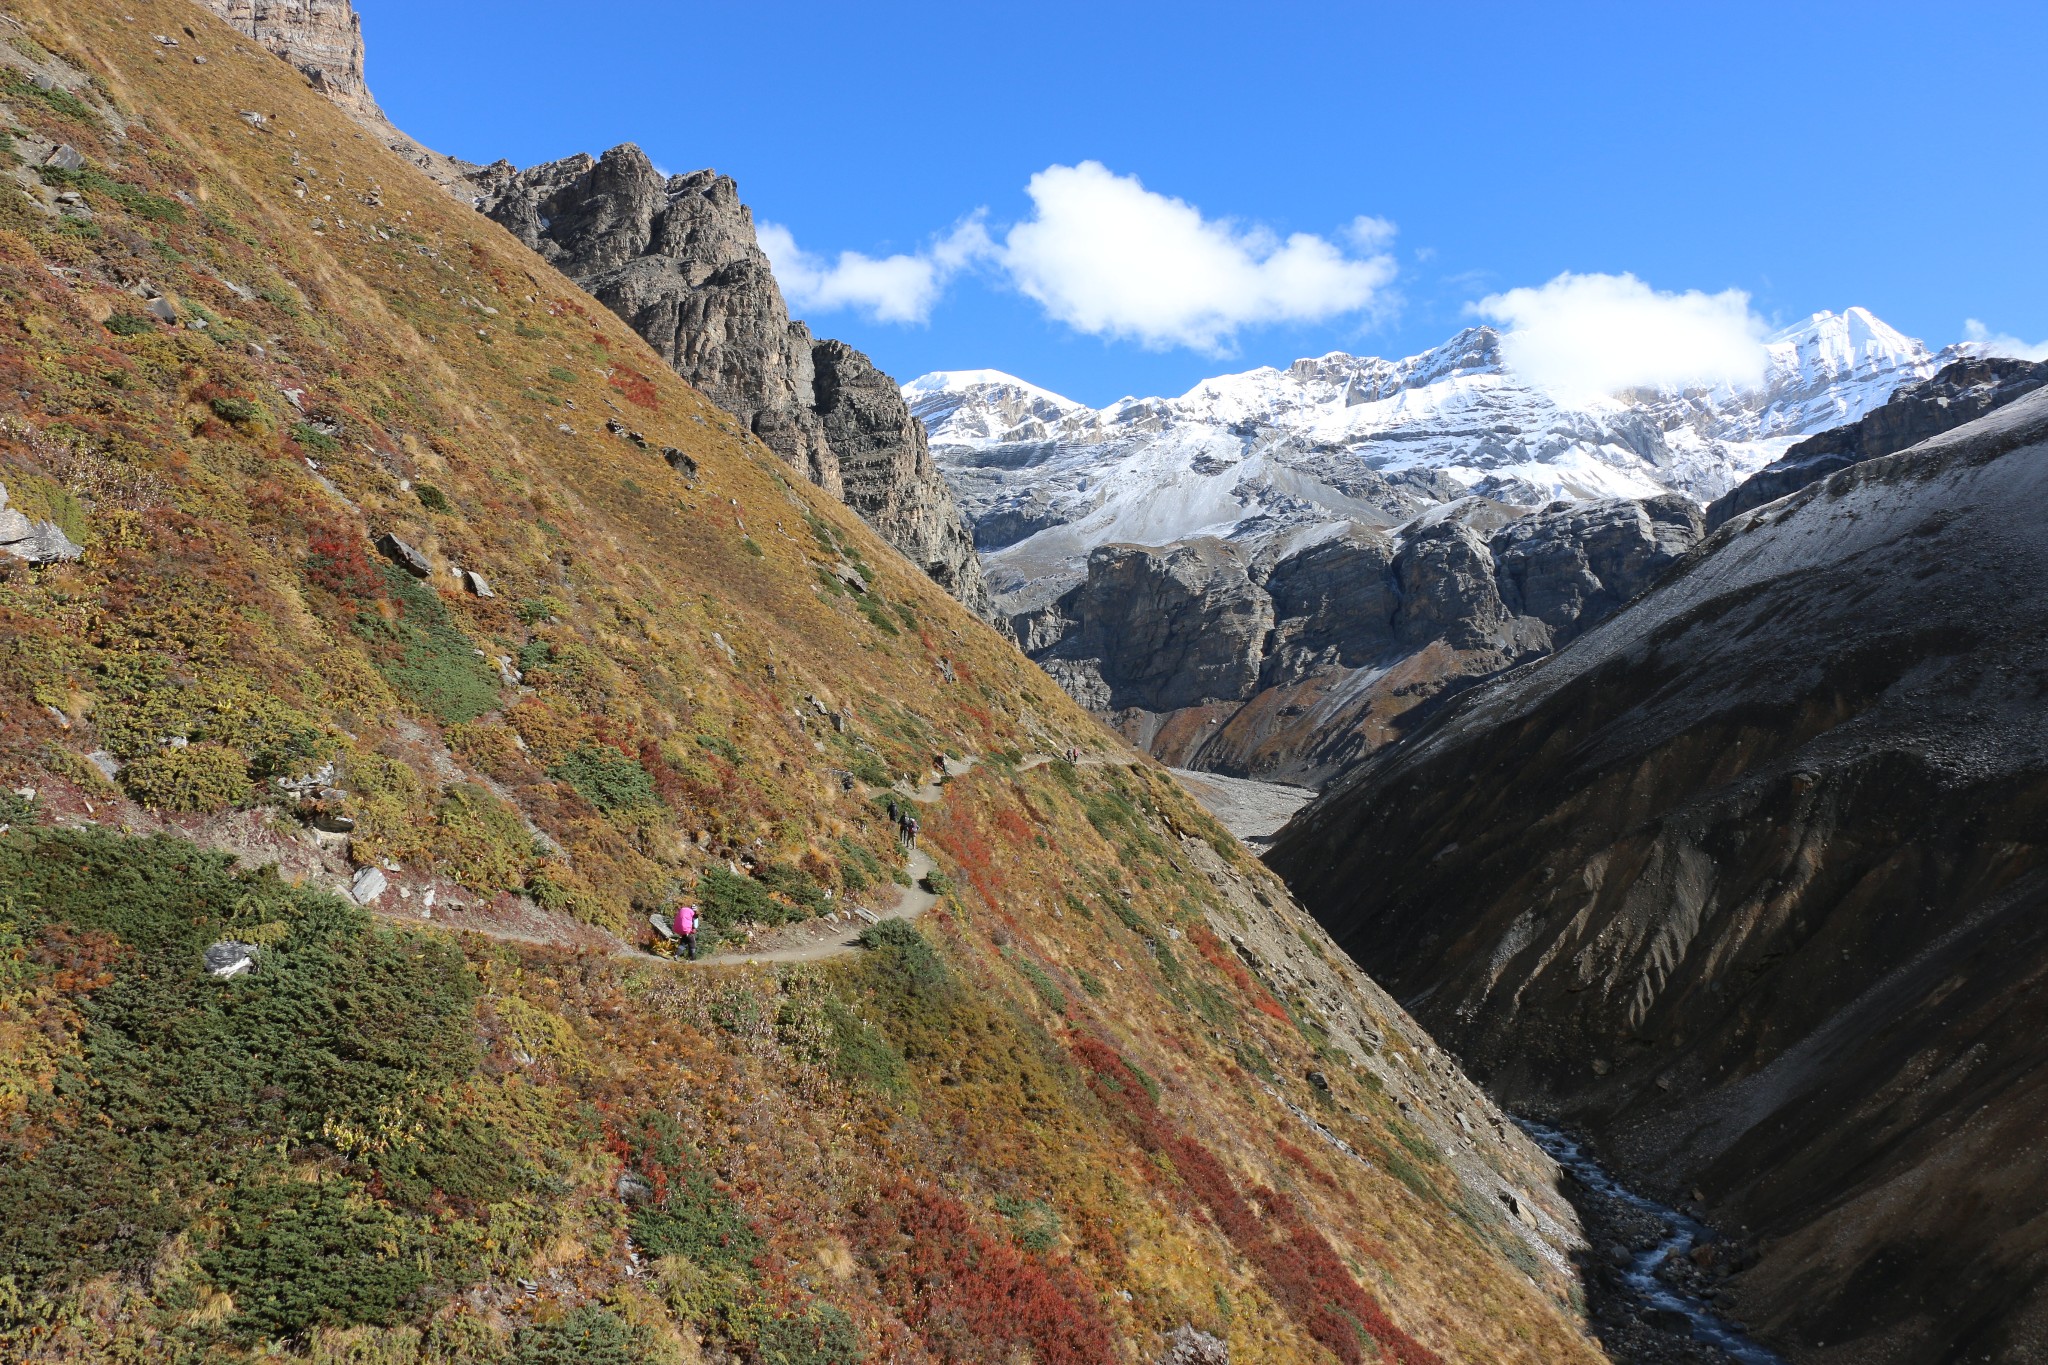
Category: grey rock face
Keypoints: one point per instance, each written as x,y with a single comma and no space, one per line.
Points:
1960,393
1445,578
1458,599
677,258
404,556
886,472
1171,627
1334,603
1189,1345
1572,564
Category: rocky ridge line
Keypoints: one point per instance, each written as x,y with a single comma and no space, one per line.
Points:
677,258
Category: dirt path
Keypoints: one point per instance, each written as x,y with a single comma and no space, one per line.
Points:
911,901
535,926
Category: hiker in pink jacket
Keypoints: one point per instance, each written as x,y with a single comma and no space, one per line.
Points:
686,929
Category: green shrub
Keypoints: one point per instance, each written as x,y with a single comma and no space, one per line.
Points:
589,1335
187,1089
723,747
726,900
199,777
314,439
429,662
862,1056
607,779
431,498
481,841
698,1220
237,411
130,324
295,1255
15,85
18,811
1047,988
795,884
560,375
820,1335
1033,1222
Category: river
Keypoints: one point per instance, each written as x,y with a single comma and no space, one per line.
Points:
1651,1297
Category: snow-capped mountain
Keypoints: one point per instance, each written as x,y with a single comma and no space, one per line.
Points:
1291,455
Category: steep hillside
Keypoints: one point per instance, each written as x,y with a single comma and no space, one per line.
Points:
1960,392
384,631
1749,882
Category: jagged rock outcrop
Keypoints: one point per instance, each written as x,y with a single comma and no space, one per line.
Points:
1363,633
1173,627
678,259
886,472
1959,393
1573,563
1751,883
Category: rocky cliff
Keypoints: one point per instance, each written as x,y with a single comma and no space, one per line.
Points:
1291,667
677,258
1959,393
1750,881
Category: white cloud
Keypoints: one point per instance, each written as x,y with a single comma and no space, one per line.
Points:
1582,336
2002,343
1109,257
899,288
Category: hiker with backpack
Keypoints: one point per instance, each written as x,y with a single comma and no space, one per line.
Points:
686,929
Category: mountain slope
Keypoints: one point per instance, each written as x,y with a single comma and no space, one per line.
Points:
414,591
1749,882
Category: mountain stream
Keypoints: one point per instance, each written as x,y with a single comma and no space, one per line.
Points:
1668,1311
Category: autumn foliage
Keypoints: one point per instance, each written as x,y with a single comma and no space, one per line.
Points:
1300,1267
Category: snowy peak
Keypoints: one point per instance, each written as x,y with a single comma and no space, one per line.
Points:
1339,438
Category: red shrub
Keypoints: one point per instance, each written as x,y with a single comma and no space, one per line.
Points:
1216,955
971,1297
1298,1263
635,387
335,561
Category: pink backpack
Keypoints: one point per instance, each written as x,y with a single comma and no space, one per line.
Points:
686,919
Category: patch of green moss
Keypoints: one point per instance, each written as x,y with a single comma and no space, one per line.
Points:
204,778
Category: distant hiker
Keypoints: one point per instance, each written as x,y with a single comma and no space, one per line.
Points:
686,929
910,831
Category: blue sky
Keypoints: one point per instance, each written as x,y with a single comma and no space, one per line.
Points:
1809,155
